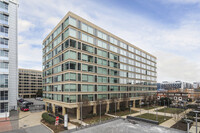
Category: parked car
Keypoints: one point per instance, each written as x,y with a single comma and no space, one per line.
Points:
24,108
21,100
39,98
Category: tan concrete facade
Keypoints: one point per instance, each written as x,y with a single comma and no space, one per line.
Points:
126,84
30,81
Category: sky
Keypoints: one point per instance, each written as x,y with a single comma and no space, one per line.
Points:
168,29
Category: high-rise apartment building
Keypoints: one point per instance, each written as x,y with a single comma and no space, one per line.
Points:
30,81
8,57
85,64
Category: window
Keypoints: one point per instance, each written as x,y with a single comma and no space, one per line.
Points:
87,88
57,31
3,80
70,87
102,88
66,23
113,56
113,80
4,65
87,48
3,106
113,48
102,79
87,58
102,62
112,40
57,88
113,72
57,41
69,98
102,70
70,76
69,65
4,5
57,78
72,21
57,60
87,97
123,45
72,32
102,96
87,68
102,53
114,88
57,50
3,95
70,55
87,78
113,64
101,35
87,38
66,34
87,28
102,44
4,53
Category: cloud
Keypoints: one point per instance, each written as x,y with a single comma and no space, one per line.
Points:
24,25
174,43
174,67
182,1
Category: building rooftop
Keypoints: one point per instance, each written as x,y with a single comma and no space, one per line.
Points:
124,126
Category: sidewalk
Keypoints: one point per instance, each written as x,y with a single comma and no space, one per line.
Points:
175,119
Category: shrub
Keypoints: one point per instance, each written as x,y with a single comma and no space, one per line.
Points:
47,118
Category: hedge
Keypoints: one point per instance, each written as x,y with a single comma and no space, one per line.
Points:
47,118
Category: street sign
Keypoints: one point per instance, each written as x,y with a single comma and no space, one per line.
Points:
57,121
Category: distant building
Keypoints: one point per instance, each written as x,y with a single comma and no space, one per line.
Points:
165,85
196,85
30,81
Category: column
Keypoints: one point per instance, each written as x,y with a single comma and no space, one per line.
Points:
46,104
118,105
133,104
94,109
126,104
107,107
53,108
63,110
140,102
78,113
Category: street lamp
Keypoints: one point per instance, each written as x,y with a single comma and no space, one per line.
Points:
164,110
81,112
188,121
196,112
100,111
115,107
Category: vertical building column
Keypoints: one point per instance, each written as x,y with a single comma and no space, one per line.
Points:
133,104
46,104
126,104
53,108
107,107
63,110
78,113
118,105
94,109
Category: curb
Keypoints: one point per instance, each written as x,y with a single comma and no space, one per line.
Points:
47,127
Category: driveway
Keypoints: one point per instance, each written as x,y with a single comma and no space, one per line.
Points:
34,129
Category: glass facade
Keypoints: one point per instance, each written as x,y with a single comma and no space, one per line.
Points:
87,60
